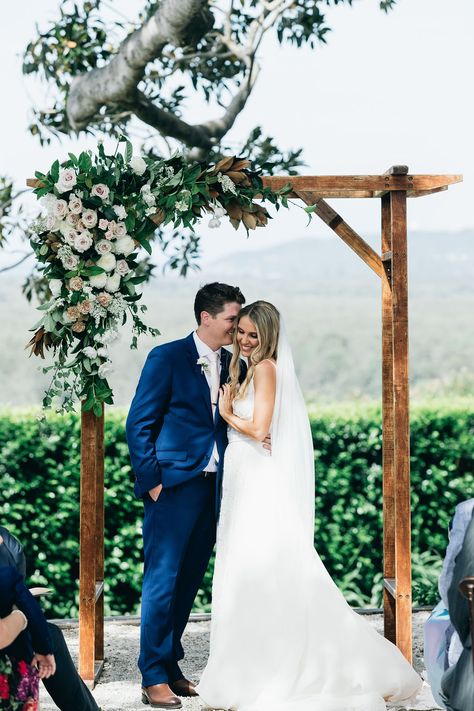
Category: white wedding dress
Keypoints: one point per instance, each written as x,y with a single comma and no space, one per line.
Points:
283,637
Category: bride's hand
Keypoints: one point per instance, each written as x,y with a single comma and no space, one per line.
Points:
225,401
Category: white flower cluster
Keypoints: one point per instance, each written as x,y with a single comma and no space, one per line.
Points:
217,212
228,185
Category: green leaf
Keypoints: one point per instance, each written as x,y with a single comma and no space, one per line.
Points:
92,271
84,162
130,222
128,151
54,172
144,243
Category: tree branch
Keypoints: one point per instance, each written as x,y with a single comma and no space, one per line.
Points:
176,23
17,264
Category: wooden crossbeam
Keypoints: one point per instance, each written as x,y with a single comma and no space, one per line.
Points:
353,185
331,218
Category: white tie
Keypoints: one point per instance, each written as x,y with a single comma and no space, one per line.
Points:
214,373
215,382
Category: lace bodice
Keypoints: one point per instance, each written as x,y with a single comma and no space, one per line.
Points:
242,407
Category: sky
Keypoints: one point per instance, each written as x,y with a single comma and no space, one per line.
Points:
386,89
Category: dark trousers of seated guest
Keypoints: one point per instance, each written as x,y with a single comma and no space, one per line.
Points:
66,687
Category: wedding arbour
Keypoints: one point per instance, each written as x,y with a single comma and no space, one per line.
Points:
100,210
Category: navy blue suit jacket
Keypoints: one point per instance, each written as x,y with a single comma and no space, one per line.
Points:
170,428
13,591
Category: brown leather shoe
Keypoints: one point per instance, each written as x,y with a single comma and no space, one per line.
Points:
160,696
183,687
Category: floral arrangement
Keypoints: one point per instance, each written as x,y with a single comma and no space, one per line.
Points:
99,212
18,685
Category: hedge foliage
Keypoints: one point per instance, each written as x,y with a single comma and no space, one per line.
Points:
39,472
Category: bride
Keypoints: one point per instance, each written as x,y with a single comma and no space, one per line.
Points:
283,637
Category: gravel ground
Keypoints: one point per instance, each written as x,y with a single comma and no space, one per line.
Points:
119,686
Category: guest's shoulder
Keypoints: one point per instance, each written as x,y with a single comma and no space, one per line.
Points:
465,508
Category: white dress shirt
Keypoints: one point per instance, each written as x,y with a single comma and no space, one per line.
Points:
204,351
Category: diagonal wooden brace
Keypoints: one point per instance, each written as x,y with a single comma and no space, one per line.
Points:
331,218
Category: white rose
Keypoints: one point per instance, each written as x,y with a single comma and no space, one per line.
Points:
82,241
125,246
90,352
60,208
70,262
89,218
100,190
103,246
67,180
120,211
55,286
75,205
138,165
72,219
107,262
52,223
122,267
113,283
120,230
105,369
102,352
98,280
70,236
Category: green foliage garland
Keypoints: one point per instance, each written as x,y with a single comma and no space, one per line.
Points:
100,211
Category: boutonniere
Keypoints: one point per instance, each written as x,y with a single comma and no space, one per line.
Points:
204,363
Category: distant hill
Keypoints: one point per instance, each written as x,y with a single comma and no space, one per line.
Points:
331,304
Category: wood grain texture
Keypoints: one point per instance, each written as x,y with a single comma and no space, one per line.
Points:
387,423
401,428
87,565
99,539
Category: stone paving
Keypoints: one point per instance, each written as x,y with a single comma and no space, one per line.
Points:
119,685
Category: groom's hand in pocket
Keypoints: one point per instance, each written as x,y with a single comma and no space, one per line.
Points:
155,492
267,443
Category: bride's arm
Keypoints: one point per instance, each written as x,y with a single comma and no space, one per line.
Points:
265,389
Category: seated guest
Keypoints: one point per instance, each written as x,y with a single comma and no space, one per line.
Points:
25,644
442,644
457,684
65,687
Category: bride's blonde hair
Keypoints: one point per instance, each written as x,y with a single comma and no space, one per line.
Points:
267,324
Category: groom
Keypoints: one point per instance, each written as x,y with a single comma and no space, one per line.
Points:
177,440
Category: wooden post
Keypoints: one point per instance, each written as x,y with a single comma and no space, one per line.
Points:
91,568
389,606
401,427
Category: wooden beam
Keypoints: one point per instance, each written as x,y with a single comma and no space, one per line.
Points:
331,218
87,590
401,428
348,183
351,186
389,603
422,193
99,541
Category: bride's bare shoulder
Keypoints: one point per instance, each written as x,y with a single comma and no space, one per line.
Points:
266,368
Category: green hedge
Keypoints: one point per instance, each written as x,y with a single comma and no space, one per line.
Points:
39,470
